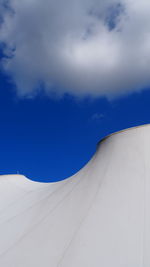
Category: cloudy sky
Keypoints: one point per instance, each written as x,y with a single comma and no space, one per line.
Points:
71,72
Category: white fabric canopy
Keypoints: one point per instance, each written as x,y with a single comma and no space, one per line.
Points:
100,217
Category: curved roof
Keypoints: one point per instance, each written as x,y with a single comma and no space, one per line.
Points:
98,217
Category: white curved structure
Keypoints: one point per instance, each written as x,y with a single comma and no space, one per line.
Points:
98,218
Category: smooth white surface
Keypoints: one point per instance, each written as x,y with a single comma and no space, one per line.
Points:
100,217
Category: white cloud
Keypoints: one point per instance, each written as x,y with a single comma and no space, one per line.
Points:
82,47
97,116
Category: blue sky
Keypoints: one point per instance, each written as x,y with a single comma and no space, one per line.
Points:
71,72
49,139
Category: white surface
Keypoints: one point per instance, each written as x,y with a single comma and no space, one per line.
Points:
98,218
